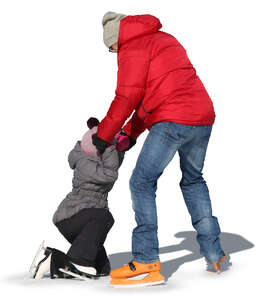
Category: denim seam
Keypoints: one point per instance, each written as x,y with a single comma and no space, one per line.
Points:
165,132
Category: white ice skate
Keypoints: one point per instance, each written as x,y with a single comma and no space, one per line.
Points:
85,273
40,266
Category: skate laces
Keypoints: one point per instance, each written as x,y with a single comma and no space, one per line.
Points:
132,266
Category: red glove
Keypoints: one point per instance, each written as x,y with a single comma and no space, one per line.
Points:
124,142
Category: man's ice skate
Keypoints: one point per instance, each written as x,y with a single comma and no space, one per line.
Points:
218,267
40,267
136,274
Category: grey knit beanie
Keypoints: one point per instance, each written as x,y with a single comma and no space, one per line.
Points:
111,23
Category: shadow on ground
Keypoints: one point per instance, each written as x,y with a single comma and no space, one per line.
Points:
231,243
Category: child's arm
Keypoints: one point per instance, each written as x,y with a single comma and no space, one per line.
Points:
100,171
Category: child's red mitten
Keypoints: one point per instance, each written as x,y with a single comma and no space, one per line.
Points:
122,142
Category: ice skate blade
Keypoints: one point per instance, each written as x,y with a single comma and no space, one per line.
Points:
33,267
43,267
153,278
134,285
75,275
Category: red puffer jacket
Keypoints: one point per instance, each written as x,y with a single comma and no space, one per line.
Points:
156,79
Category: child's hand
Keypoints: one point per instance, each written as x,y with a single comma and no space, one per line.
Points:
122,142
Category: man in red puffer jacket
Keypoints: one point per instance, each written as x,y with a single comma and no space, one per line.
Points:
158,84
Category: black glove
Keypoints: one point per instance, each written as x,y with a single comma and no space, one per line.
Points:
132,142
100,144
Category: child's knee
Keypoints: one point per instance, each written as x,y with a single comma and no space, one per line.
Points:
106,216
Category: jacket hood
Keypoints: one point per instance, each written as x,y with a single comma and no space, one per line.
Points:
134,26
77,153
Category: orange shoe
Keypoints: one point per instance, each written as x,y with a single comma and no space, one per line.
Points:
152,278
135,268
217,266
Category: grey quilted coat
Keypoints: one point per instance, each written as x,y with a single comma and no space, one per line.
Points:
93,179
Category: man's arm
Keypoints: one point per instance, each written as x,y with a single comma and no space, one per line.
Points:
131,81
134,127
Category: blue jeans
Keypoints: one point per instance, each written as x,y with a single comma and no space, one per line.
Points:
160,146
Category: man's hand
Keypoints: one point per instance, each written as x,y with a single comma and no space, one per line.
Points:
100,144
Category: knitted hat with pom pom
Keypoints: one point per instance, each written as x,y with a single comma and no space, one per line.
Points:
86,143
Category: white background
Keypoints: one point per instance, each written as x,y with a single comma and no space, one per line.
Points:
55,72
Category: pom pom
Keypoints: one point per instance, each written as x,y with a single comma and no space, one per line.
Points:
92,122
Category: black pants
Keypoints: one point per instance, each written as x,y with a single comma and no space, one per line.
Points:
87,232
